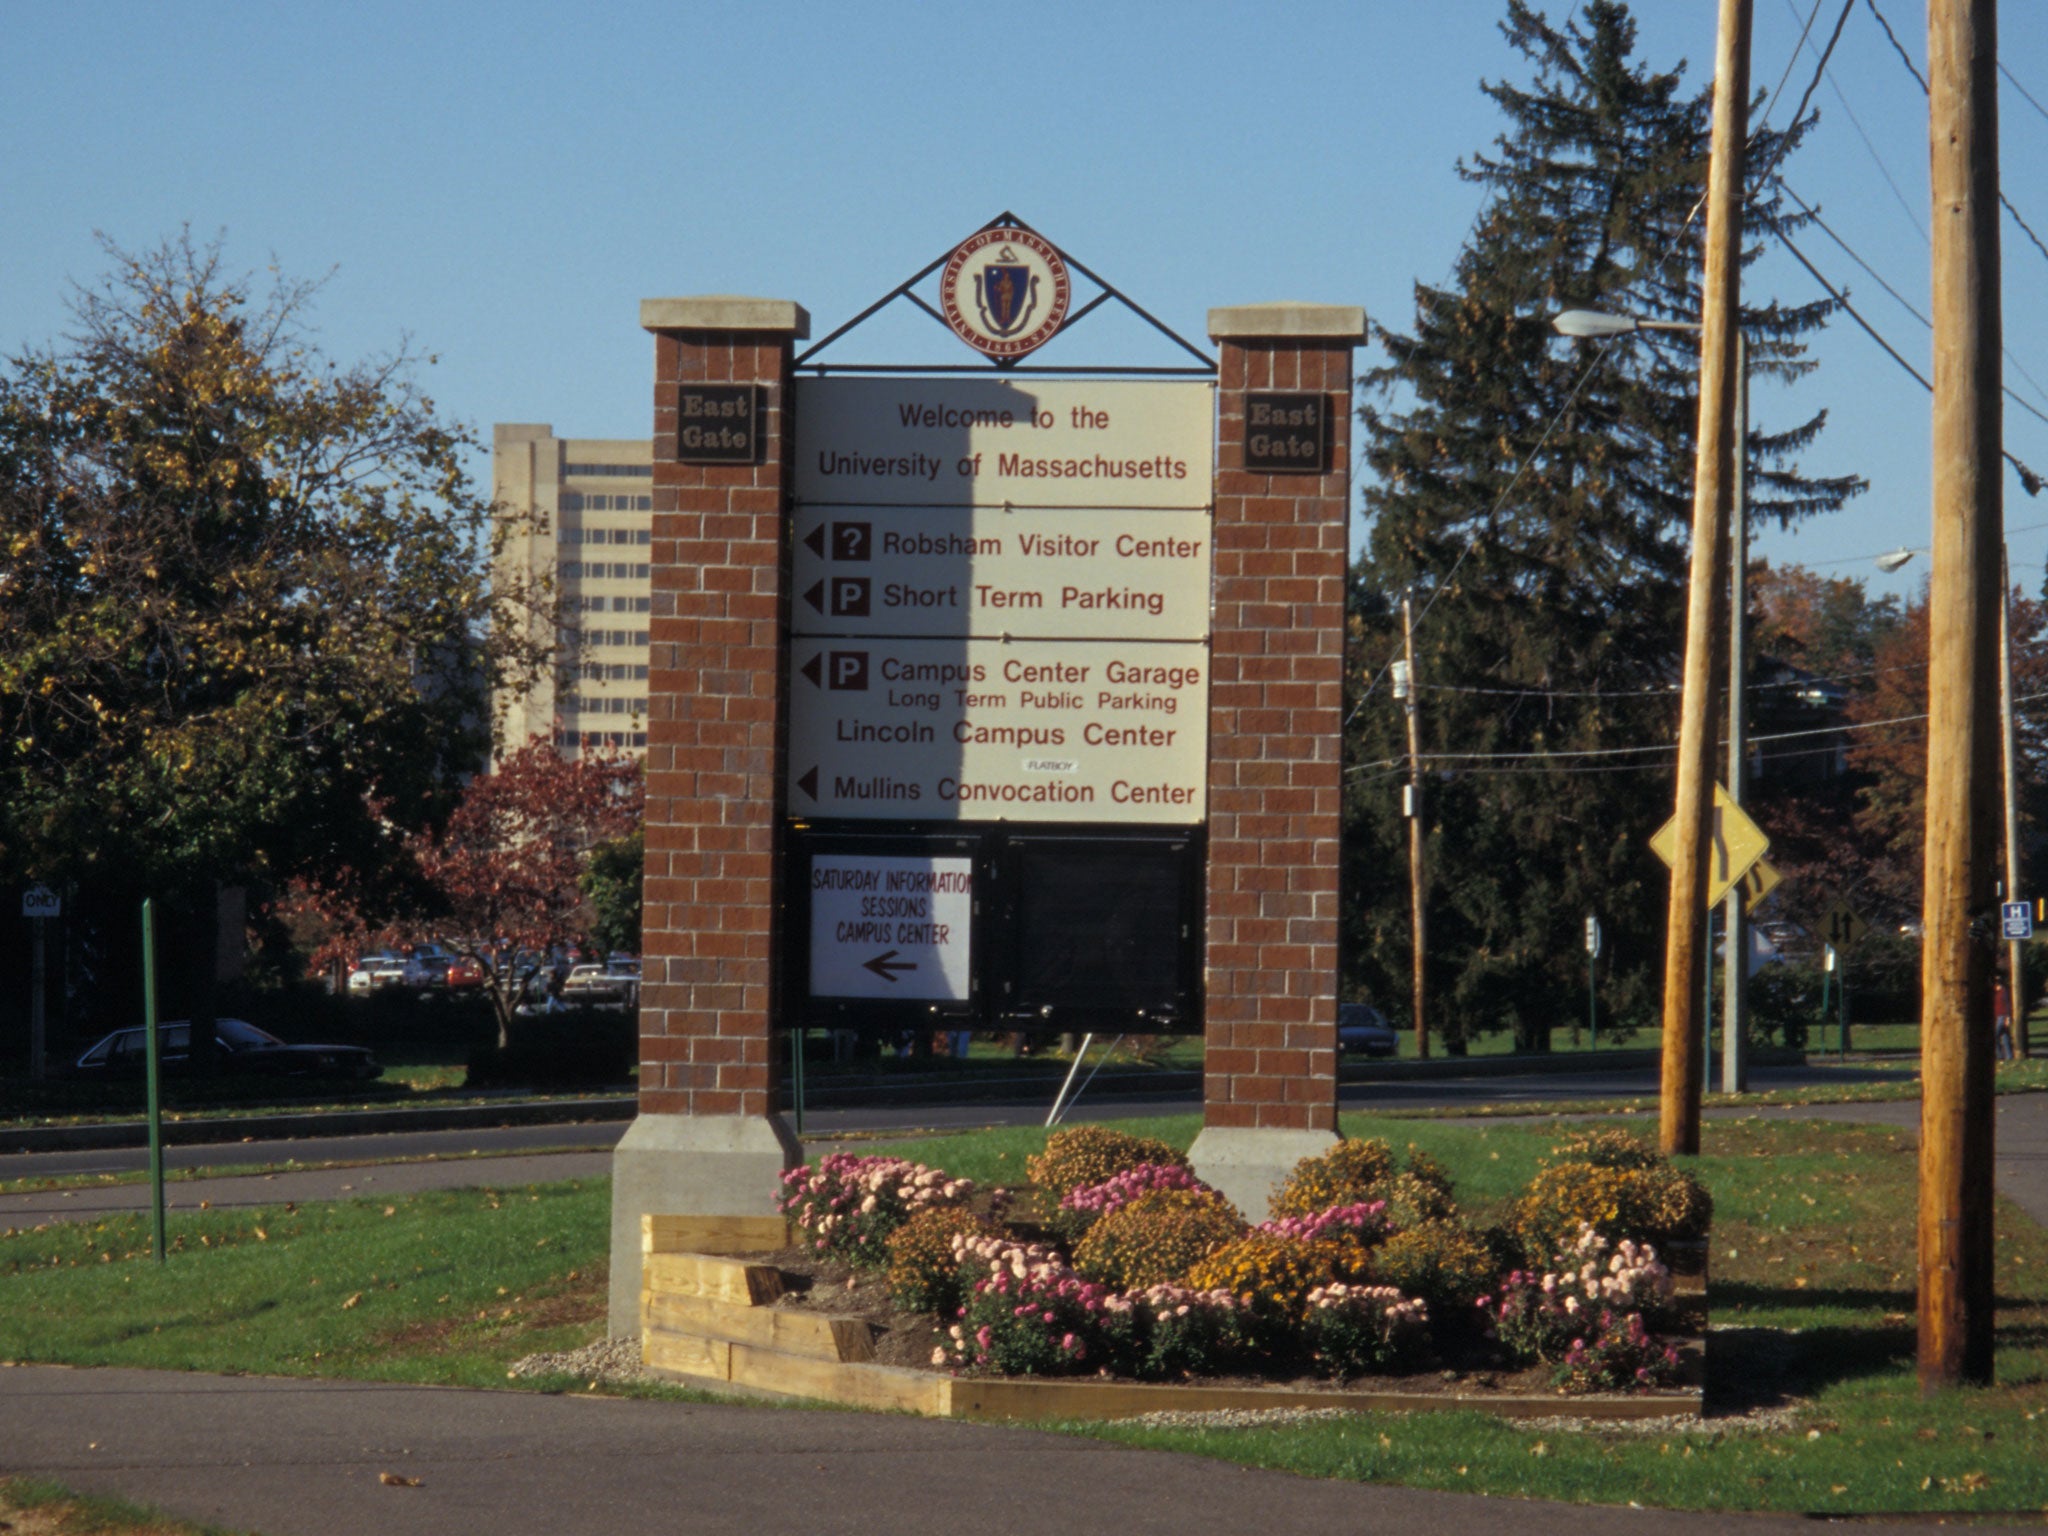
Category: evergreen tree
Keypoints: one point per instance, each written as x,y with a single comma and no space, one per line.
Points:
1535,495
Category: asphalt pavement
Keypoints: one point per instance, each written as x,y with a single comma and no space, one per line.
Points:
311,1458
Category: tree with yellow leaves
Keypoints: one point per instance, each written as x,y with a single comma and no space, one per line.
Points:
248,626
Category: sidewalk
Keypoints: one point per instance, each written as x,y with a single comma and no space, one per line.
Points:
303,1458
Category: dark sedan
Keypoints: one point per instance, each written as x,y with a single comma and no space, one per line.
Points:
1363,1030
242,1047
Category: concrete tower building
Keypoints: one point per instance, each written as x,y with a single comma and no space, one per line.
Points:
594,501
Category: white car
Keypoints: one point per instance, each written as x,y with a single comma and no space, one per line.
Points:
375,973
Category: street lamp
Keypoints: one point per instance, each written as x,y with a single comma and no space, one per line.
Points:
1895,559
1587,323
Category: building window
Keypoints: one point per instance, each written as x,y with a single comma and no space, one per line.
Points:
631,471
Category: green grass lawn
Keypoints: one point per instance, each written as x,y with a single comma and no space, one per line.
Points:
1812,1291
42,1508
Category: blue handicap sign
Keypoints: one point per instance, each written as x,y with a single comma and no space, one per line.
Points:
2019,919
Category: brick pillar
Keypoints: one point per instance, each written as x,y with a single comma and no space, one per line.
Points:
1276,697
708,1140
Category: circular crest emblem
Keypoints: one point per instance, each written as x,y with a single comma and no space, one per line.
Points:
1005,291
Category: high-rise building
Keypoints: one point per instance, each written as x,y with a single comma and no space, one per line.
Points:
592,506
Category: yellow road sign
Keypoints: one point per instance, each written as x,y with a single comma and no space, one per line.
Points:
1762,879
1734,843
1841,928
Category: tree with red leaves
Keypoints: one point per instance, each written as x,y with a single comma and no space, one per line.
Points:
499,883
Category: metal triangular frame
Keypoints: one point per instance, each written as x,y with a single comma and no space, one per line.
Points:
1006,219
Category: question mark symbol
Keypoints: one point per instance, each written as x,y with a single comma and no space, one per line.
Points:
850,540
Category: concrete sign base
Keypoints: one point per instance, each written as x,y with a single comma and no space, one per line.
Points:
704,1165
1248,1164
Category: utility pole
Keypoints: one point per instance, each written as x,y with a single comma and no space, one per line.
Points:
2016,951
1684,970
1418,906
1955,1225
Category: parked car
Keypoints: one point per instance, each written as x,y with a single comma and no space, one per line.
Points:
243,1049
463,974
373,973
1362,1030
602,986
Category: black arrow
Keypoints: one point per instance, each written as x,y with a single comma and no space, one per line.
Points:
816,596
886,965
814,669
808,782
814,541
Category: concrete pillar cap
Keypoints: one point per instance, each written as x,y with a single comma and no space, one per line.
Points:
726,312
1291,321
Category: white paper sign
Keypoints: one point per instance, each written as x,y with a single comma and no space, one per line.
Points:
884,927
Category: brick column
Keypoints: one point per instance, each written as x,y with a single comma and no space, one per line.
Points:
1276,697
708,1140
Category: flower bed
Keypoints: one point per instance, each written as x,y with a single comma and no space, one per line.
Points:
1120,1264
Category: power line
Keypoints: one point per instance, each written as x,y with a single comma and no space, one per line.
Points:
1806,681
1785,144
1848,250
2028,479
1574,755
2014,83
1906,59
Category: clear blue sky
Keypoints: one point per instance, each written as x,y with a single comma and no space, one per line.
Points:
503,183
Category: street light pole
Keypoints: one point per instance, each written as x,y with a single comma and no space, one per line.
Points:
1735,1010
1735,998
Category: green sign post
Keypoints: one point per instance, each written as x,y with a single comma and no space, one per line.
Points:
151,1056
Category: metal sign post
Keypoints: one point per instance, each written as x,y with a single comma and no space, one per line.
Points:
1592,996
38,904
151,1056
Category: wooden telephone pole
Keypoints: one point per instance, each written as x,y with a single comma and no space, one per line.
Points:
1955,1228
1417,885
1684,960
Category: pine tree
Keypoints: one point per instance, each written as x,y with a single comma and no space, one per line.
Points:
1535,495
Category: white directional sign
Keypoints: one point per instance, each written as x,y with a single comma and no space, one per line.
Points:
894,928
1072,573
961,442
41,901
969,729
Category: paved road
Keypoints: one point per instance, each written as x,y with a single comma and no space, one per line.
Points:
1440,1093
303,1458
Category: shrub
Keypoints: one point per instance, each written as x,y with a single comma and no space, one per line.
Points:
1658,1204
1365,1224
1608,1149
1027,1314
1439,1262
1083,1207
1350,1172
1186,1333
1619,1354
1353,1172
1355,1329
1421,1192
1085,1155
849,1205
924,1269
1541,1317
1156,1238
1271,1276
